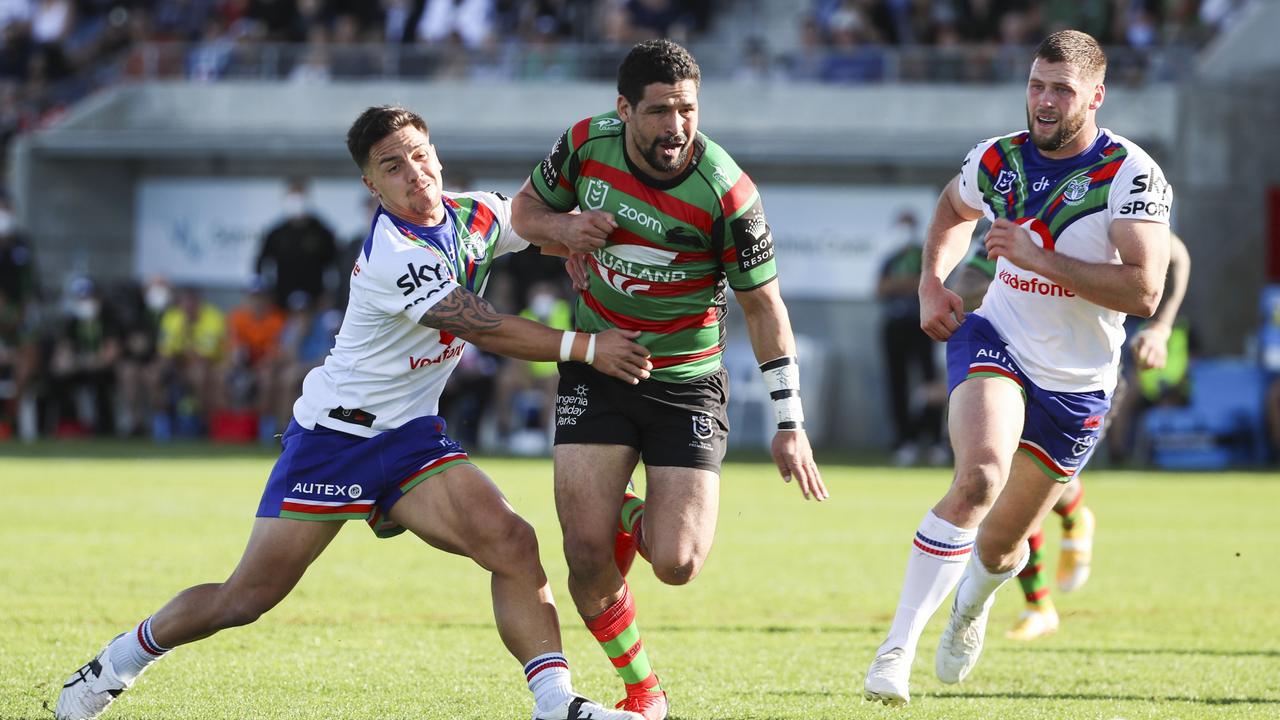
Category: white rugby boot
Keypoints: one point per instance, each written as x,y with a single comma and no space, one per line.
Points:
577,707
89,690
961,642
888,677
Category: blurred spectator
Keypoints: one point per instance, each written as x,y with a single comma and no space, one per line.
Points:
469,21
189,349
137,312
81,365
254,328
305,341
908,352
526,391
19,360
298,254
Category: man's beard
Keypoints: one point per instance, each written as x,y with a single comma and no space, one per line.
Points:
1068,127
657,162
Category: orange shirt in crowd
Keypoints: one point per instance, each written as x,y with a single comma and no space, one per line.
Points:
258,335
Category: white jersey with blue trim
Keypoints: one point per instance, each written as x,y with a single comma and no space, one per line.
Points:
1063,342
386,369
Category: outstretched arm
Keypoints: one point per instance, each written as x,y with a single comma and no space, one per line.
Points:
472,318
775,348
945,243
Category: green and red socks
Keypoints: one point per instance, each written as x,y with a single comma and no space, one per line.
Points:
1034,582
618,633
1071,512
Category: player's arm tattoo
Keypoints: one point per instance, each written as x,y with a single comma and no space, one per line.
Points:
462,313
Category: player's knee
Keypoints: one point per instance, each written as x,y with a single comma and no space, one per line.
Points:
509,542
587,557
677,570
978,485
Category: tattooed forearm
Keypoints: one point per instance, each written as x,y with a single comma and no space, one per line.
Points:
462,313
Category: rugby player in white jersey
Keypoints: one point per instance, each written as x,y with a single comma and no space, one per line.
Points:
365,441
1081,237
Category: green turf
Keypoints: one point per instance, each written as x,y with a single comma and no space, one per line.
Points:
1179,621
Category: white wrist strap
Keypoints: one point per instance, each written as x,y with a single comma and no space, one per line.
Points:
566,345
782,380
591,349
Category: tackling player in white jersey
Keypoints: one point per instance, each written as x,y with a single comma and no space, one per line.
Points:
365,442
1081,237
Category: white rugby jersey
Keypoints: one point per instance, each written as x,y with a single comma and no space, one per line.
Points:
385,369
1063,342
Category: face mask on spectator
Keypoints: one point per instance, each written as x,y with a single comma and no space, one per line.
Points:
85,309
157,298
541,304
295,205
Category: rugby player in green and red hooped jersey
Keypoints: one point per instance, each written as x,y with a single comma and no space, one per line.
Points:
667,219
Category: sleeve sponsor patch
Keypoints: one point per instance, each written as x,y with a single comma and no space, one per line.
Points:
553,164
752,238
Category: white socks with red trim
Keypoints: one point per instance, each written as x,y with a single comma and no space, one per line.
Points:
939,553
132,652
549,681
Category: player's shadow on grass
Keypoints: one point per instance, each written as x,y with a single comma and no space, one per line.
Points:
1103,696
1208,652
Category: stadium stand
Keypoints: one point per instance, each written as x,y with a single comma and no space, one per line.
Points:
236,91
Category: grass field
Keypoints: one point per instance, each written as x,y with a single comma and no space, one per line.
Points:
1180,619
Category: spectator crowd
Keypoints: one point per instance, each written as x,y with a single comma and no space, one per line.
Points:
153,360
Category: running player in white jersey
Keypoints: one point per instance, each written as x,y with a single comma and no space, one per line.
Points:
1080,235
365,442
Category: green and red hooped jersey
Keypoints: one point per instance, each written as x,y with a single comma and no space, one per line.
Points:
664,269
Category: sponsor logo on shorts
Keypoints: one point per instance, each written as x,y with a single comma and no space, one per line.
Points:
570,407
347,491
1093,422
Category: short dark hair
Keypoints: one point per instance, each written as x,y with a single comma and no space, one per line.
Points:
655,61
376,123
1077,49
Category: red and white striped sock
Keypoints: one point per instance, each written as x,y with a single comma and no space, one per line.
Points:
132,652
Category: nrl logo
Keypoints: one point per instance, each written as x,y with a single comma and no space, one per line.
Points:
703,426
1004,183
596,191
1076,189
474,244
607,123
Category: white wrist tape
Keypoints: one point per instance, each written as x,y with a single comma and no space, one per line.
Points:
782,380
566,345
591,349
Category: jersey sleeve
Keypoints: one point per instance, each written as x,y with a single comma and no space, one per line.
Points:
507,241
399,278
748,241
970,192
553,178
1140,191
